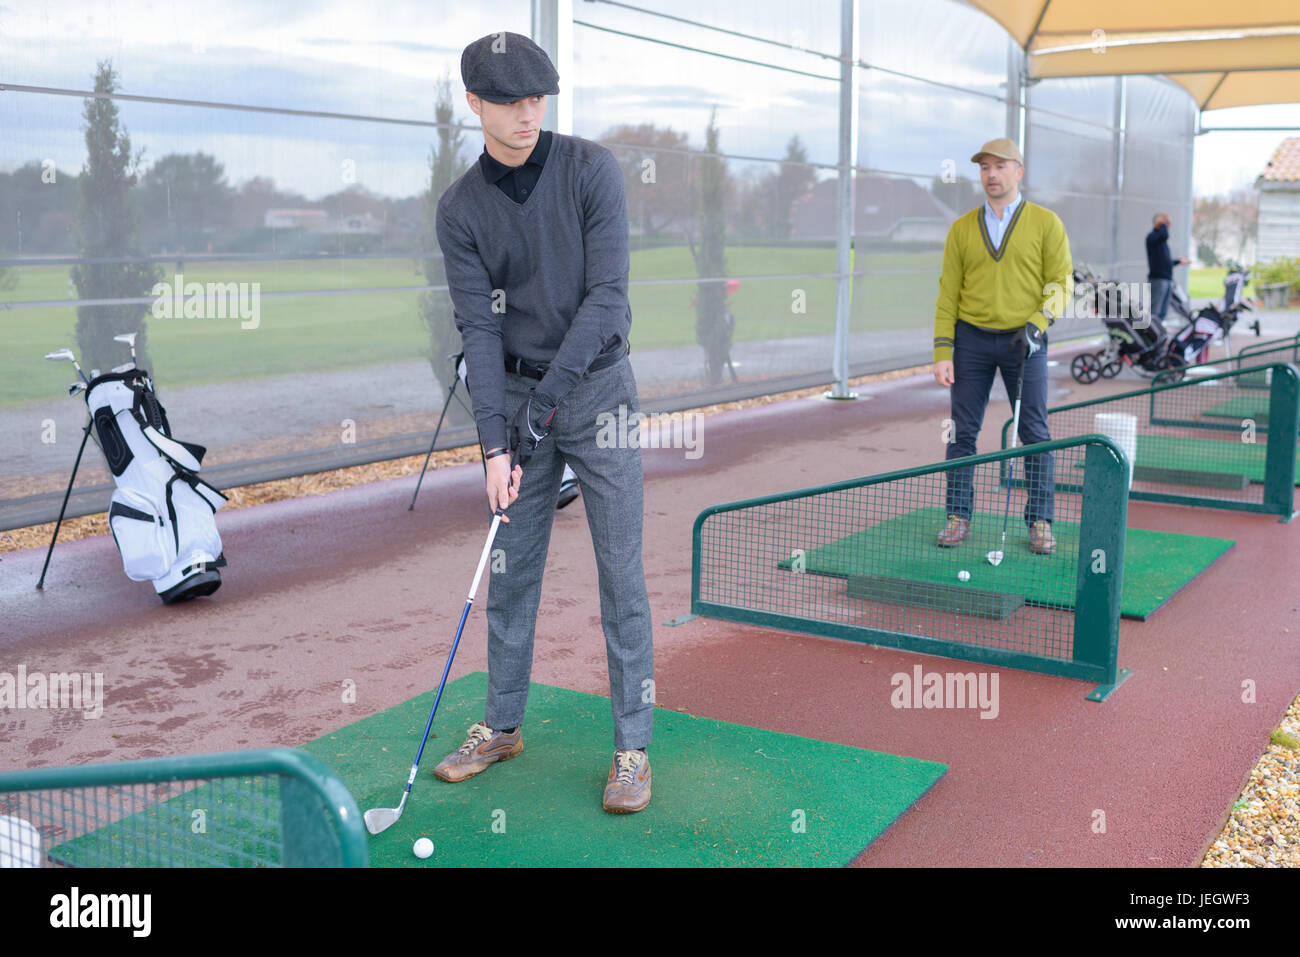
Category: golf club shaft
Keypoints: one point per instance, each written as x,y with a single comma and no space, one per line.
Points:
464,615
1011,463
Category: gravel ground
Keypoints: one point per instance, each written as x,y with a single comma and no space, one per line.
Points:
1263,829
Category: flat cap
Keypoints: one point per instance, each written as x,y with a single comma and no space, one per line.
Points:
1002,148
504,67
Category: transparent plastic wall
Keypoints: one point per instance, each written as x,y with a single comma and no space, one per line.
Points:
287,150
279,153
1160,131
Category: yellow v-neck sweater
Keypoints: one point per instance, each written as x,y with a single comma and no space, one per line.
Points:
1002,289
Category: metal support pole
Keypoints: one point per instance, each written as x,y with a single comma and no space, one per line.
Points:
845,196
1117,183
552,30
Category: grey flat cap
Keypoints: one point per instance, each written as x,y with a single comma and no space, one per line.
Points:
504,67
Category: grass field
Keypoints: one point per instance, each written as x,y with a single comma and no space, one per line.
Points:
328,332
1208,283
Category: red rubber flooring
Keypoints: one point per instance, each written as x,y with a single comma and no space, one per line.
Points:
338,606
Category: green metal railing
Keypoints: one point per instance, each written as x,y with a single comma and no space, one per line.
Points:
859,560
276,807
1256,354
1280,350
1201,441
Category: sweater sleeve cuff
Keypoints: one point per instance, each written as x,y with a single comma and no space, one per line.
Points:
943,350
493,435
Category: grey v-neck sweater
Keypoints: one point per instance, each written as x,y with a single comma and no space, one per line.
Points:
544,280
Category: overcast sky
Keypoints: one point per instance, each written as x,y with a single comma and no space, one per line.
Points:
381,60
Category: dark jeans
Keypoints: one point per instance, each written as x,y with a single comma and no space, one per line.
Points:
976,357
1161,291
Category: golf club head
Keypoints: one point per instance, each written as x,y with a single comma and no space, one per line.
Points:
381,818
76,387
59,354
127,337
995,558
94,373
124,367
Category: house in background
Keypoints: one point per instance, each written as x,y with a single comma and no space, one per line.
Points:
1279,204
890,210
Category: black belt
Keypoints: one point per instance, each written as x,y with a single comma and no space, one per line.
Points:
537,370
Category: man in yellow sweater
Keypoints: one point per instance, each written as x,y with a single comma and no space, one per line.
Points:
1006,268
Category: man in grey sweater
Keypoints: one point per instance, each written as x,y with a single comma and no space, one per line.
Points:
534,237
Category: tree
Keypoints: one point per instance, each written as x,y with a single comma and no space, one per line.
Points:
795,180
1209,224
712,330
445,167
1243,216
656,175
111,266
183,197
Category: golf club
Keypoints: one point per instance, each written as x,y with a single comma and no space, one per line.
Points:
995,557
129,339
76,387
381,818
58,354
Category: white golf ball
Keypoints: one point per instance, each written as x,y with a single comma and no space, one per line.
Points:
423,848
963,575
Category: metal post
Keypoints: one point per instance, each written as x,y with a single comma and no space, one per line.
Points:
1118,138
1015,67
552,30
845,196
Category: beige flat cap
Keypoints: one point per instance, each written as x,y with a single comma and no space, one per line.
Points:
1002,148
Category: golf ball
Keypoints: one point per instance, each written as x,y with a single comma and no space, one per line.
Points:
423,848
963,575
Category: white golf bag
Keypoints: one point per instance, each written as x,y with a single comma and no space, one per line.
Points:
162,515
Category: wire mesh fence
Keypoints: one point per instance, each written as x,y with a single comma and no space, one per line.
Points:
272,808
918,559
1203,441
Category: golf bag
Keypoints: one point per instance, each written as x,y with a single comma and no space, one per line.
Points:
161,514
1191,343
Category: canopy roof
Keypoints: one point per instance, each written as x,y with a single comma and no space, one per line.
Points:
1242,53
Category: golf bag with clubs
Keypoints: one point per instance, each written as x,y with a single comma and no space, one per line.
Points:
1192,342
161,514
1132,337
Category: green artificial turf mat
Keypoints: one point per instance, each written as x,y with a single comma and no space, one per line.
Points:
1156,564
1240,407
723,794
1205,455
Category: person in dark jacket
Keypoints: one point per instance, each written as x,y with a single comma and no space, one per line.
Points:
1160,265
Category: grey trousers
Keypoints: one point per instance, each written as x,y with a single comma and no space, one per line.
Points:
612,493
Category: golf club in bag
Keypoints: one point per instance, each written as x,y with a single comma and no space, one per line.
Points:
568,483
161,514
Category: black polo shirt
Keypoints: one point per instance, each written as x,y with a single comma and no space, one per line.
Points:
517,182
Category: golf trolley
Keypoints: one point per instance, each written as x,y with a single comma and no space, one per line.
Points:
1140,340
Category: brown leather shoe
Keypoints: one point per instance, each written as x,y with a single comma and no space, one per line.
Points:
627,788
1041,541
955,532
482,747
